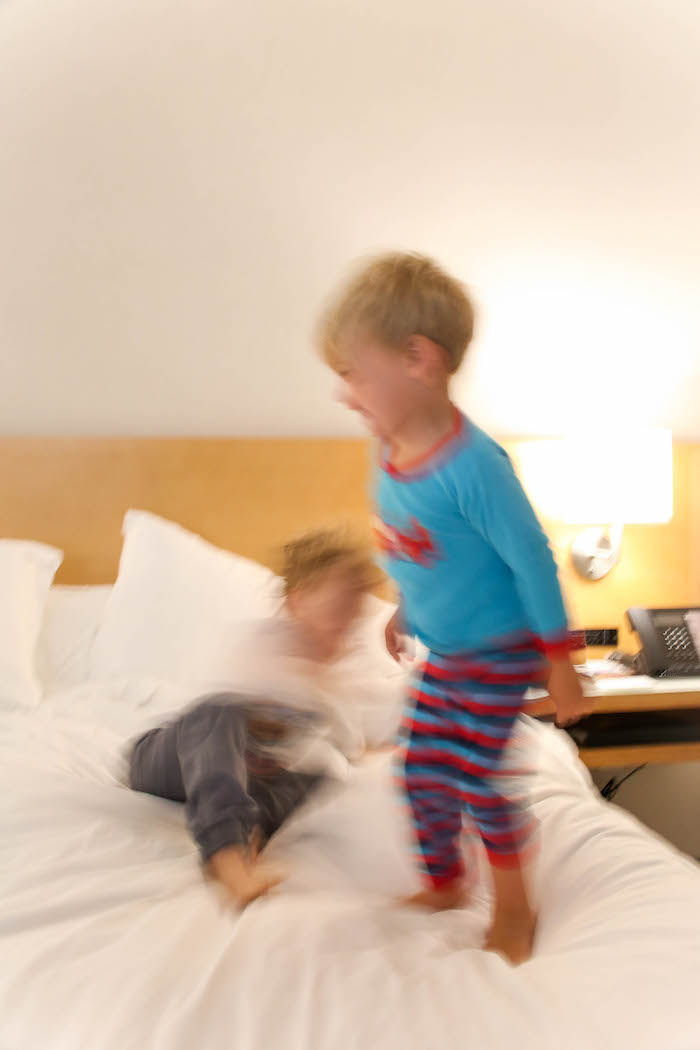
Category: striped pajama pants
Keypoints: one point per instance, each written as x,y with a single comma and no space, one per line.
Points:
459,719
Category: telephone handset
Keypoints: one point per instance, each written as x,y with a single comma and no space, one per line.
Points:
670,641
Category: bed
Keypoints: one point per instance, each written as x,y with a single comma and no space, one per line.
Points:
110,936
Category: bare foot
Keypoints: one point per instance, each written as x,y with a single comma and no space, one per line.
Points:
512,935
241,876
454,895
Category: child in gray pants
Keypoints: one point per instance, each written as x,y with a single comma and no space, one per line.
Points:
242,764
217,759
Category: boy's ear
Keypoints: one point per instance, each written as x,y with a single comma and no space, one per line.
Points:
425,359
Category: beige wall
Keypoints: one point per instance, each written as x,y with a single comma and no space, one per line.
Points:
181,183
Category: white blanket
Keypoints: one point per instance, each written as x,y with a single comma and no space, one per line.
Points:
110,938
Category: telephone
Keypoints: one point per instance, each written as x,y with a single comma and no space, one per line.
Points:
670,641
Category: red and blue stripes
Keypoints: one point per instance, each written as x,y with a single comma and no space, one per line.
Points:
461,713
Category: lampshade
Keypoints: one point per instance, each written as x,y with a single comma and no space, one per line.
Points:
601,477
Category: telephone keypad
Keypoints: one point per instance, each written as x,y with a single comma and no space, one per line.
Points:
677,639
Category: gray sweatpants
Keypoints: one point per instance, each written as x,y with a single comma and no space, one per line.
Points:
204,760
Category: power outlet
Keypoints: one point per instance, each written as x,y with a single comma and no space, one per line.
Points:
604,636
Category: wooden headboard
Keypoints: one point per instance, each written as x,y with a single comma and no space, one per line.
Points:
247,495
250,495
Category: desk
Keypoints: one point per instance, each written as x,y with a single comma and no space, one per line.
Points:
635,693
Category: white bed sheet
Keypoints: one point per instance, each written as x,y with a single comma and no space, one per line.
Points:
110,939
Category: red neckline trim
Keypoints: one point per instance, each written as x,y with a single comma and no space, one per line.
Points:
421,460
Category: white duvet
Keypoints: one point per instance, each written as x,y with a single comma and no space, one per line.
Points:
110,939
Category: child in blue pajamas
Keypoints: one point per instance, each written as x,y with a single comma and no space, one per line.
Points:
476,577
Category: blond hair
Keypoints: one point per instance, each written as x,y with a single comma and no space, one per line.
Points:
308,556
396,296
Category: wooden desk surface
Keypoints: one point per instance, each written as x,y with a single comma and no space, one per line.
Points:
636,693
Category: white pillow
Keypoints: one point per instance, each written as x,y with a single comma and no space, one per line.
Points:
177,605
71,619
26,573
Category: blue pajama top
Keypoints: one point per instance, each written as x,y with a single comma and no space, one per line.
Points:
461,541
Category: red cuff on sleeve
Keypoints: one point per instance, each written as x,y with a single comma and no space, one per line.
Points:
558,646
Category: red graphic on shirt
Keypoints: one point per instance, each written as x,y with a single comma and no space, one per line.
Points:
414,545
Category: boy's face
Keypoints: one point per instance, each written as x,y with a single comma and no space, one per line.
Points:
376,381
328,606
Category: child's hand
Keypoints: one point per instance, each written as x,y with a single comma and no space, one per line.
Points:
565,690
394,637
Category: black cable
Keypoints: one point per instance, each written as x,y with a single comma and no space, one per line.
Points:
613,786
